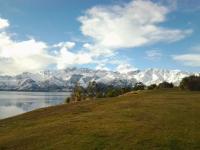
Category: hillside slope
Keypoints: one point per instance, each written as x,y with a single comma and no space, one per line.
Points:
146,120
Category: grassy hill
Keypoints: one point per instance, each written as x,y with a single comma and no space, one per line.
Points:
149,120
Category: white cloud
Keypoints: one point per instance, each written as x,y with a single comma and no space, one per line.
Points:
19,56
102,67
125,68
4,23
188,59
128,25
110,28
153,55
31,55
65,44
97,50
66,58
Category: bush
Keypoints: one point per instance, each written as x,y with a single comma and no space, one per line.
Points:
152,86
67,100
165,85
139,86
191,83
112,93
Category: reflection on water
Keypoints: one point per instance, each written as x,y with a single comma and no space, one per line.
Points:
14,103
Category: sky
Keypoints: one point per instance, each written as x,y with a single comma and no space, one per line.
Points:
117,35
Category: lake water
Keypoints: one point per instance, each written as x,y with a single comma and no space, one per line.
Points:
14,103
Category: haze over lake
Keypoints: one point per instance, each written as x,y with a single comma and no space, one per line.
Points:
14,103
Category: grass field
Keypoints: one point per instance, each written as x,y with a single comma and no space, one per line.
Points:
148,120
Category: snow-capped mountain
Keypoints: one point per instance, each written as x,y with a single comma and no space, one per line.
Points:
65,80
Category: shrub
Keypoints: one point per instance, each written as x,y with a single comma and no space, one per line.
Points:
190,83
67,100
152,86
139,86
165,85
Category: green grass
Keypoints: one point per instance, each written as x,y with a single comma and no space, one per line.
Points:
148,120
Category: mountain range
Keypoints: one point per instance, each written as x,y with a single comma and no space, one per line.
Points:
65,80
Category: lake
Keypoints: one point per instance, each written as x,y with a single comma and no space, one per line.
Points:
15,103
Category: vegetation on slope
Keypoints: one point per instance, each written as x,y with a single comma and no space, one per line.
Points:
100,90
154,119
96,90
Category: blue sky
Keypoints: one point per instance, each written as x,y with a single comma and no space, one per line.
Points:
120,35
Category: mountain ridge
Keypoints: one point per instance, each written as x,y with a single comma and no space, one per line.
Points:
65,80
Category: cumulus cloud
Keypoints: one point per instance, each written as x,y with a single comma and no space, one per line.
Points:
4,23
128,25
20,56
65,57
31,55
98,50
110,28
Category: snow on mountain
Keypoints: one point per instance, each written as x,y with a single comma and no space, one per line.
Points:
65,80
151,76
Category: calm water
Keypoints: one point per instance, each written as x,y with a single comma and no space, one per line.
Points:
14,103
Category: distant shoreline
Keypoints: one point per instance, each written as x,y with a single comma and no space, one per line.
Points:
30,91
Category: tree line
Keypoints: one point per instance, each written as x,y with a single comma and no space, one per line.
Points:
101,90
96,90
191,83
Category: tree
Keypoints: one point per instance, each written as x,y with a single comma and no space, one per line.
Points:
92,89
165,85
112,92
97,90
152,86
78,93
190,83
139,86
